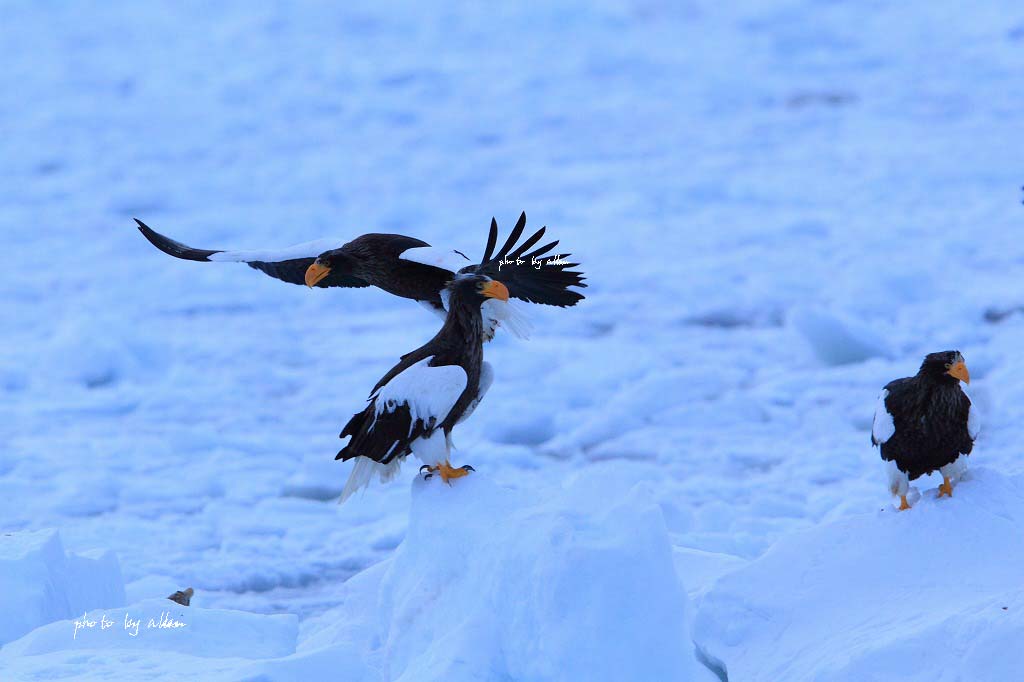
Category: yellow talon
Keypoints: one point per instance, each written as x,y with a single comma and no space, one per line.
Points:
946,488
447,472
903,503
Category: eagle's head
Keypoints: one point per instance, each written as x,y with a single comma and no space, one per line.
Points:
945,366
474,289
336,261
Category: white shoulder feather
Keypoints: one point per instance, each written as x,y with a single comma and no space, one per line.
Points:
428,391
973,421
883,426
453,261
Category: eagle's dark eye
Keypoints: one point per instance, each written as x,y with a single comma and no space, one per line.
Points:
948,365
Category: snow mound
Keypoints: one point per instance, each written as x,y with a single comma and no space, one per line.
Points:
837,340
700,569
927,594
493,583
41,583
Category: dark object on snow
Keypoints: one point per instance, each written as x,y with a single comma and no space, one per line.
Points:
415,406
996,315
182,597
405,266
926,423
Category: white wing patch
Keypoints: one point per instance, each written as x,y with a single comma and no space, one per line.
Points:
305,250
884,427
428,391
973,422
452,261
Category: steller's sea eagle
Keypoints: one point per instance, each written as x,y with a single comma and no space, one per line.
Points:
411,268
415,406
925,423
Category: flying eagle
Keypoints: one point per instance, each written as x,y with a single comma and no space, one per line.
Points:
411,268
926,422
415,406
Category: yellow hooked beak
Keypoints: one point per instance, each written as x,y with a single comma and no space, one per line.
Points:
959,370
495,289
315,273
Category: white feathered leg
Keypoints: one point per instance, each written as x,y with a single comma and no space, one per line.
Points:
434,451
431,449
952,473
899,483
961,468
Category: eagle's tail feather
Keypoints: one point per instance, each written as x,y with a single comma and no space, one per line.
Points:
362,474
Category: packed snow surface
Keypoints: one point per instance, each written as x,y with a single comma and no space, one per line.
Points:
159,640
935,594
159,625
779,206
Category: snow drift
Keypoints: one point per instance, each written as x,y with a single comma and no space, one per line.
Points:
41,583
932,593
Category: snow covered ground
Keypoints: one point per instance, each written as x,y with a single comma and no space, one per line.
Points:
933,595
780,206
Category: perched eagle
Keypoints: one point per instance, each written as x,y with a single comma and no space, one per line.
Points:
411,268
925,423
415,406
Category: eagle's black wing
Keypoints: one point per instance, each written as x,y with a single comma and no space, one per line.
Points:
293,271
538,276
406,404
382,437
288,265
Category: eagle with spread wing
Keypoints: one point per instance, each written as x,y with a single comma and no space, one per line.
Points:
412,268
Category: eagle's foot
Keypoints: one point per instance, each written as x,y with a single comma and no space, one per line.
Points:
946,487
446,471
903,503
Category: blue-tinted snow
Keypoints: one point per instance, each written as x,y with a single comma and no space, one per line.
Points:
780,207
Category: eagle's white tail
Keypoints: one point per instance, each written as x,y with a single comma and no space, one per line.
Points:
362,474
